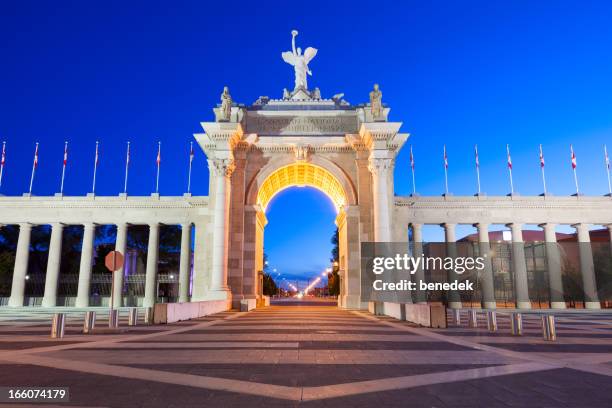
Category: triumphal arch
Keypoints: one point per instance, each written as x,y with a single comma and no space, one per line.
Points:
301,139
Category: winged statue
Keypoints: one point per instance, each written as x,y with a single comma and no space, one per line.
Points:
299,61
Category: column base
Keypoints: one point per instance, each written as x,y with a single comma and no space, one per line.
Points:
15,302
557,305
489,305
455,305
219,294
48,303
350,302
523,305
592,305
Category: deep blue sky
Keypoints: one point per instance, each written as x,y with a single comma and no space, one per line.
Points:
453,72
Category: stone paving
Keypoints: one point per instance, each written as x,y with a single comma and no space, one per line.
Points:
287,356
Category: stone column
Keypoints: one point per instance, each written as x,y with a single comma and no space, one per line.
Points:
521,283
454,300
589,284
89,231
21,265
222,169
152,260
185,263
120,246
553,262
488,286
417,250
53,265
380,168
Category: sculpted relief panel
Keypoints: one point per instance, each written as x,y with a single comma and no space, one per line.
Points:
302,125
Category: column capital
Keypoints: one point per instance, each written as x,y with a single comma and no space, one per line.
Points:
222,167
583,232
609,226
380,165
25,225
546,225
483,225
187,224
416,225
154,224
448,225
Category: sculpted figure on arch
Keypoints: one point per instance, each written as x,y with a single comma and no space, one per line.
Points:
299,61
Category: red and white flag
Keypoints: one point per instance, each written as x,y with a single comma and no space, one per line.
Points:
36,156
2,161
509,158
541,157
191,153
445,158
411,159
476,156
158,160
573,157
65,154
97,160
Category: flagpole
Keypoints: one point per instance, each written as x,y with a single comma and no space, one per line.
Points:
412,167
190,160
158,162
2,161
64,167
477,168
93,188
574,169
127,164
542,168
607,171
445,172
510,170
34,168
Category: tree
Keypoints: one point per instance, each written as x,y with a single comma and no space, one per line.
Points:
269,286
333,278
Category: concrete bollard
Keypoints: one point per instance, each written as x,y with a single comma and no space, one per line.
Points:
457,317
549,332
90,322
492,321
133,317
516,324
148,318
113,318
57,326
473,319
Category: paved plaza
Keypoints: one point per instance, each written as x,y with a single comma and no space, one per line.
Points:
294,355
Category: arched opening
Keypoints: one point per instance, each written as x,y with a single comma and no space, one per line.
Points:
295,211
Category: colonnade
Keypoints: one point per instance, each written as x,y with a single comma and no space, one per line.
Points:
85,270
519,266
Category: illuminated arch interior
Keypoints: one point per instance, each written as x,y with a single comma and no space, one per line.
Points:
300,175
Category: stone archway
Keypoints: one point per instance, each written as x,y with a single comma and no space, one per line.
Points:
256,151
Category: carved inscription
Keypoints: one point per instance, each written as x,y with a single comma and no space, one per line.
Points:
301,125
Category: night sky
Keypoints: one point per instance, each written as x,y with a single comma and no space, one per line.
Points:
455,73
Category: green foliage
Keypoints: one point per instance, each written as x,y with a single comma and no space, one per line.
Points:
269,286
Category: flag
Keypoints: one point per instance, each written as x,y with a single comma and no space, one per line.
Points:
97,160
476,156
65,153
541,157
605,151
191,153
3,159
445,158
573,157
411,159
127,157
36,156
509,158
158,160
